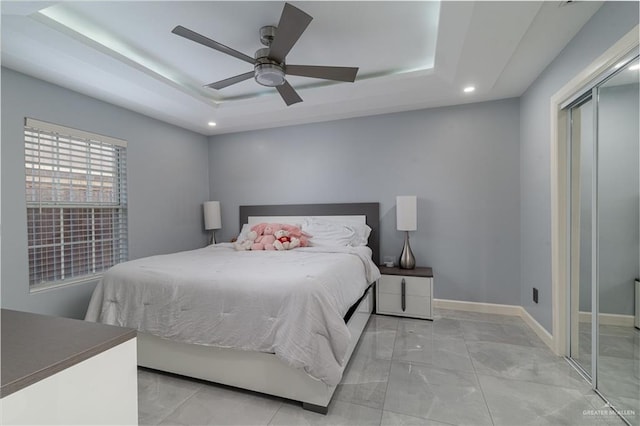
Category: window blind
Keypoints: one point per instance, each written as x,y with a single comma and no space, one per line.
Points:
76,203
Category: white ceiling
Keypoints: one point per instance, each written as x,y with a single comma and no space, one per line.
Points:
411,54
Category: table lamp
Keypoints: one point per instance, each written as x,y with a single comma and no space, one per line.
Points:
212,219
407,220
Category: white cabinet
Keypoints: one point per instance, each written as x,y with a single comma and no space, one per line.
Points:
405,292
100,390
62,371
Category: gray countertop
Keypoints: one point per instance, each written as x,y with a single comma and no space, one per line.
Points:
416,272
35,346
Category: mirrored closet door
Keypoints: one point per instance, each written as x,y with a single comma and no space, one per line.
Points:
581,122
604,223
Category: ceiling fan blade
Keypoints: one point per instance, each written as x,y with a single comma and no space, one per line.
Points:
231,80
328,73
292,24
198,38
288,93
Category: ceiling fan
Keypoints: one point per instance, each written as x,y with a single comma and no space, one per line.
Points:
269,67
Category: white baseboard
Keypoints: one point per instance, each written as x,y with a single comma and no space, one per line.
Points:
498,309
485,308
542,332
609,319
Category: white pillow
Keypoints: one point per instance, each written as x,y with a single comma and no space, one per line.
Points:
362,234
326,233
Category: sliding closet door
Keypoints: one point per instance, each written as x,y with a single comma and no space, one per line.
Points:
604,235
619,240
580,303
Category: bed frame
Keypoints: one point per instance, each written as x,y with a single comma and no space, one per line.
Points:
257,371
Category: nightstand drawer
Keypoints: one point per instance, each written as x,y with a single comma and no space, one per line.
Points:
414,286
416,306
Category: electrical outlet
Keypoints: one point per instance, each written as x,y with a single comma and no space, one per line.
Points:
535,295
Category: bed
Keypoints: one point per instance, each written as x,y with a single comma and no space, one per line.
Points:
280,323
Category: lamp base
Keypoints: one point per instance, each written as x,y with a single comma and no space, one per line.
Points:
407,260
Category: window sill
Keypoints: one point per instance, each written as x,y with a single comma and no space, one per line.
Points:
38,288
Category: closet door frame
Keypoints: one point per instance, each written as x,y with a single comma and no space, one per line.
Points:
559,179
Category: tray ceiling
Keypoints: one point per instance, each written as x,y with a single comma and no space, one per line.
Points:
411,55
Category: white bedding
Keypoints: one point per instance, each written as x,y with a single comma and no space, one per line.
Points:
288,303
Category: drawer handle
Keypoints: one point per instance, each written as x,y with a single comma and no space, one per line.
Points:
404,295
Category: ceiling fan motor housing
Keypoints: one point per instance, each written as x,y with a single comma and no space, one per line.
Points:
268,72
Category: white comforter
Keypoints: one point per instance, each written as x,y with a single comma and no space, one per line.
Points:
288,303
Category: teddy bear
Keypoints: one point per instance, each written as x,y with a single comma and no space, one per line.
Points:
265,236
273,236
296,232
284,241
255,241
264,242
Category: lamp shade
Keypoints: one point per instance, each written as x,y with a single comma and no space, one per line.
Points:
407,213
212,215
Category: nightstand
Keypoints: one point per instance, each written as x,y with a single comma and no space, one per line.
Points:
405,292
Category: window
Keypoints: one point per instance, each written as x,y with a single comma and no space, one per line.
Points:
76,203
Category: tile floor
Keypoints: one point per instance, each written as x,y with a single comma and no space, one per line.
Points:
461,369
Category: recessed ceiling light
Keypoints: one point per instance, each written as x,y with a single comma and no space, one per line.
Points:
634,67
469,89
212,123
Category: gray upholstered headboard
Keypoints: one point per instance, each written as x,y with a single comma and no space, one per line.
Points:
370,210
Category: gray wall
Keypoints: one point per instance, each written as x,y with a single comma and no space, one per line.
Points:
168,180
612,21
462,162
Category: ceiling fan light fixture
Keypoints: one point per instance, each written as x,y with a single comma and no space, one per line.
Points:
269,75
